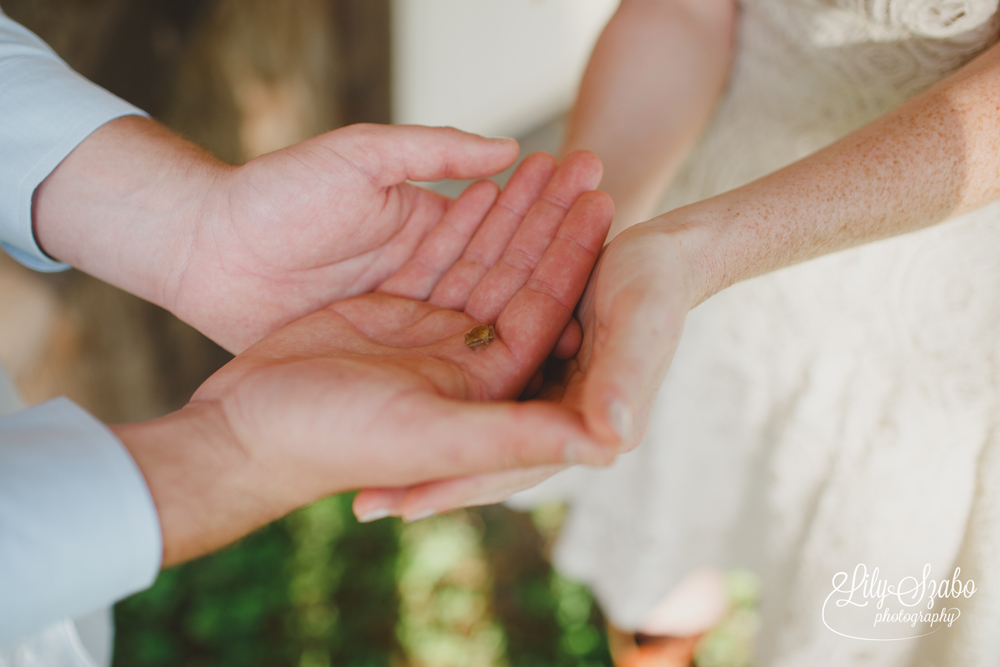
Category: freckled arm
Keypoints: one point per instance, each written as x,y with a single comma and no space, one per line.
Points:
932,158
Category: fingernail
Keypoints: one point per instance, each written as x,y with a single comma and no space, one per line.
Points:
620,419
374,515
498,140
420,516
579,452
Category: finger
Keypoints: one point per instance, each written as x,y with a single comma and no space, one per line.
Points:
538,313
374,504
391,154
534,386
523,189
444,244
472,491
569,341
424,500
464,438
579,173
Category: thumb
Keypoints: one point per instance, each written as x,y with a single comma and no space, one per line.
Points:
391,154
634,347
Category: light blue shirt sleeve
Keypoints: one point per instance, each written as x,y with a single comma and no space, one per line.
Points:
46,110
78,527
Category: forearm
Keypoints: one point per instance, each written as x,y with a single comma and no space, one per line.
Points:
123,206
206,487
933,158
649,90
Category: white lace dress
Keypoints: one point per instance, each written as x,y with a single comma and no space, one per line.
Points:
840,412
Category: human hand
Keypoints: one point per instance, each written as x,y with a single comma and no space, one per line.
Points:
325,220
633,315
240,251
381,389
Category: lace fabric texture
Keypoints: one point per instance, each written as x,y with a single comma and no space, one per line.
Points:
840,412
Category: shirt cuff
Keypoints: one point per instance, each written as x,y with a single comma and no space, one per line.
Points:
46,110
78,527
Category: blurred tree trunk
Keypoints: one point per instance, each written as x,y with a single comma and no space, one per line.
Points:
134,48
364,29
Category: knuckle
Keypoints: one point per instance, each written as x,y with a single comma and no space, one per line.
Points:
548,289
561,203
519,259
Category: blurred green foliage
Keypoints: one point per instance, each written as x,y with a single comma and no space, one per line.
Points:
313,589
317,589
549,621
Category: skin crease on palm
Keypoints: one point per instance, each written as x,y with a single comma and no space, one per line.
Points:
932,158
381,389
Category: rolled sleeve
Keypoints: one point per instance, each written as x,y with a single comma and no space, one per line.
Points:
46,110
78,527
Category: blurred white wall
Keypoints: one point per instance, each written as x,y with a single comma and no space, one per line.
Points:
496,67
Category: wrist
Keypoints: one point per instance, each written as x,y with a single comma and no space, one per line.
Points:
203,483
697,250
124,205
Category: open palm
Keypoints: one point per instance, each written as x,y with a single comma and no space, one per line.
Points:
632,316
326,219
381,389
